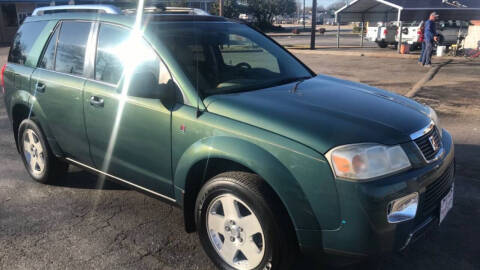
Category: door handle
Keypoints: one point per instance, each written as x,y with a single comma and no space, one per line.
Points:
40,87
96,101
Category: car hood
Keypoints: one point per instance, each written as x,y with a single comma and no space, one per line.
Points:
326,112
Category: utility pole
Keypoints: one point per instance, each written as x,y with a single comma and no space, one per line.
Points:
303,14
220,7
314,24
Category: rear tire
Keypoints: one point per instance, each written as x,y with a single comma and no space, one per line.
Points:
441,40
37,157
382,44
255,235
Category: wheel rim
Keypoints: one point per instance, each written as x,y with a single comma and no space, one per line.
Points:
235,232
33,152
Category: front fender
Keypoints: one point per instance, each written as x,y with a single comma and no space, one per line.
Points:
258,160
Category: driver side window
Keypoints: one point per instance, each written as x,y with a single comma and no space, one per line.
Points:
122,57
241,51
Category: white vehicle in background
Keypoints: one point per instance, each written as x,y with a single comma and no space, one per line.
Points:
382,34
246,17
449,32
411,33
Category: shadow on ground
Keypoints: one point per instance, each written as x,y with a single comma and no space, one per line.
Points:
76,178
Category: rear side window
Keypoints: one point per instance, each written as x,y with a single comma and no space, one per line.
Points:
48,59
24,41
71,46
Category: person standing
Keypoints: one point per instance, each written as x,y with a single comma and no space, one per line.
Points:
430,36
420,33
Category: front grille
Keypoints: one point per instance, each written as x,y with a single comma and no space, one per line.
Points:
436,191
426,146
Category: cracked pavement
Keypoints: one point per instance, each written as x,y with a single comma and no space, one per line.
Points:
74,225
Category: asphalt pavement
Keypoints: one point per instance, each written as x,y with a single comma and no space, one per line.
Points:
74,225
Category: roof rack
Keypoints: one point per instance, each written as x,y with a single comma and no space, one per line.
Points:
191,11
159,9
108,9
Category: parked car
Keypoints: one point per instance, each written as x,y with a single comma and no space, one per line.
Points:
449,32
266,158
329,21
246,17
382,34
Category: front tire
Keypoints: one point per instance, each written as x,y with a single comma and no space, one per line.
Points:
37,157
240,225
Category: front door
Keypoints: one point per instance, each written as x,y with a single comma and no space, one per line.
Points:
130,136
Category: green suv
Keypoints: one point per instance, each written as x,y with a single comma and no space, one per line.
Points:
267,159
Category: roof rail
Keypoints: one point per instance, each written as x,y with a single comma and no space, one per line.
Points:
192,11
109,9
159,9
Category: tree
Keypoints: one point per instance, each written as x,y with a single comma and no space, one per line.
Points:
264,10
231,9
337,5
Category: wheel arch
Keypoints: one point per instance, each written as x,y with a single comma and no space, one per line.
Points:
215,155
24,106
19,113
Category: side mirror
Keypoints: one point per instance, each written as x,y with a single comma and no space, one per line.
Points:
144,85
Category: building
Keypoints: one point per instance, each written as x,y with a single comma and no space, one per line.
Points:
13,12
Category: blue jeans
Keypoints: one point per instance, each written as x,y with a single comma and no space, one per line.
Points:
427,54
421,54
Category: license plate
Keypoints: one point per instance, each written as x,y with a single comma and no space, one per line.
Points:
446,204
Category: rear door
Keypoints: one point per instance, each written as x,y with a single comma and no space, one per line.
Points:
130,137
58,84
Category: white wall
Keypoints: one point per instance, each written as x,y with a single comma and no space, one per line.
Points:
473,37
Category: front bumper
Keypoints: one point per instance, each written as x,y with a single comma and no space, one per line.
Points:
365,230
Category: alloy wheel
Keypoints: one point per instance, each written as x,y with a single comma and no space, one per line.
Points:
33,152
235,232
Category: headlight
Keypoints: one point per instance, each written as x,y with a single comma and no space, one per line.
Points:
433,115
366,161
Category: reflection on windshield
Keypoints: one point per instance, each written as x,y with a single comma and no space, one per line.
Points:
228,57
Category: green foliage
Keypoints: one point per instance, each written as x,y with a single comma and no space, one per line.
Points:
231,9
337,5
264,10
178,3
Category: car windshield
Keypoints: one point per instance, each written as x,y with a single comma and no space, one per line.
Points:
225,57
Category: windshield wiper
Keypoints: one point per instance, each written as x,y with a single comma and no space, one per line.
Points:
289,80
300,80
268,85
